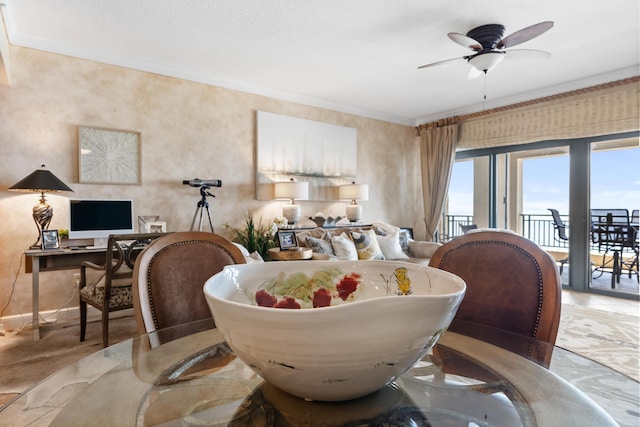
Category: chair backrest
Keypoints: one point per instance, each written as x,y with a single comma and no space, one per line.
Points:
635,218
512,283
169,276
559,225
612,228
120,260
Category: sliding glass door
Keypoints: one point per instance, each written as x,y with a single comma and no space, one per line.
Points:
516,187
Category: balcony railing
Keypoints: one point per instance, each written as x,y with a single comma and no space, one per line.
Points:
538,228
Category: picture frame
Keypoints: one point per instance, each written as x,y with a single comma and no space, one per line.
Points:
144,219
155,227
108,156
50,240
287,240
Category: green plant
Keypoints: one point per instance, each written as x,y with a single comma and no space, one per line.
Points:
256,237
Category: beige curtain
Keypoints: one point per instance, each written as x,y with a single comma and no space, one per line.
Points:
437,155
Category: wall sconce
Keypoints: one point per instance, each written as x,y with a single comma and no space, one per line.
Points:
354,192
292,191
41,181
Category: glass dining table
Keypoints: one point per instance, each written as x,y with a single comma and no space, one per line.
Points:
188,376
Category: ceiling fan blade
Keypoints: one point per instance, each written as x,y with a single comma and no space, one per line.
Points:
439,63
524,34
465,41
524,54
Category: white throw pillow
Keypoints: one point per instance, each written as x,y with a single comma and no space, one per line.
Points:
249,258
390,245
344,248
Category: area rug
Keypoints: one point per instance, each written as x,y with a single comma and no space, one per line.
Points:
609,338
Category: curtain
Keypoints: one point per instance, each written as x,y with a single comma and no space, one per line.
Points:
437,155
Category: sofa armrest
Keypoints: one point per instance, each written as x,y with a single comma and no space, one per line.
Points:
421,249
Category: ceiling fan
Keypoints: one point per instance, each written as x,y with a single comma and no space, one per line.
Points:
490,48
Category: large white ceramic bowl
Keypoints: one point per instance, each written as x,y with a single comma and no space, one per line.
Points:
383,317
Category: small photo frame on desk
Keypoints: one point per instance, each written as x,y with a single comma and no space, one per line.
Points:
50,239
155,227
144,219
287,240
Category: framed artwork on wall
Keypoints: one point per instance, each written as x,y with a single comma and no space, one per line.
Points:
322,154
108,156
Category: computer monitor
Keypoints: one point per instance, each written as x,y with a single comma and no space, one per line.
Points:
97,219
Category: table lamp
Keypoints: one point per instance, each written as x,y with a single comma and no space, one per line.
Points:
41,181
292,191
354,192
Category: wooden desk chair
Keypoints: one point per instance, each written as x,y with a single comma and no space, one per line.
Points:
512,284
111,290
170,274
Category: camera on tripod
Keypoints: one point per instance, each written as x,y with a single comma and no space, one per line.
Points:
203,204
197,182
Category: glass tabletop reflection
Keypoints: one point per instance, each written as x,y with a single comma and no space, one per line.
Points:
189,376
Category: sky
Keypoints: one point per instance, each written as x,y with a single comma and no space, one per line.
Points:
615,183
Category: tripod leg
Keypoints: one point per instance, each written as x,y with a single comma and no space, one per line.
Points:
210,223
201,218
195,215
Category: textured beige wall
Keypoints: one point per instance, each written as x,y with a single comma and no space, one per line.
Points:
188,130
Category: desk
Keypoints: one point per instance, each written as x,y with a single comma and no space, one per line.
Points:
197,380
66,259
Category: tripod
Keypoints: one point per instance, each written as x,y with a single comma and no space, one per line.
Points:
202,204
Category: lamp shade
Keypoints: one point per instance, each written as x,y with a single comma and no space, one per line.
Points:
41,181
353,192
291,190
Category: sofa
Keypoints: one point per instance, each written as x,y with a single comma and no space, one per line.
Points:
378,241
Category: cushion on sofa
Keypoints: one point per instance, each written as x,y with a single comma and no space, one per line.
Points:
320,245
390,245
367,244
344,248
317,233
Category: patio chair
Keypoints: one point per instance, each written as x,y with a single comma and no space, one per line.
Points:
560,235
468,227
513,285
612,231
169,276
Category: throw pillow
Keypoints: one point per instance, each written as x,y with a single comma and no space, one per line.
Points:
390,245
318,233
319,245
405,238
367,245
344,248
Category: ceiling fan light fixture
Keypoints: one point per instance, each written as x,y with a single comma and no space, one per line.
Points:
486,61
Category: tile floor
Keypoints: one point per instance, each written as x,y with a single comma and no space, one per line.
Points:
602,302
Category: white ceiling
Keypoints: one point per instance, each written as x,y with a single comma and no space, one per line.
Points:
355,56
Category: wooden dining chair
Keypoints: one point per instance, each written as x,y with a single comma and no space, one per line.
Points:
109,288
512,285
170,274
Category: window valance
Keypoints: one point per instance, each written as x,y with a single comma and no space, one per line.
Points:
597,110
